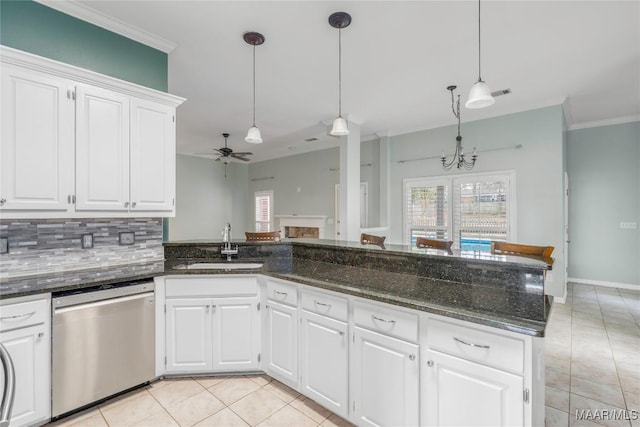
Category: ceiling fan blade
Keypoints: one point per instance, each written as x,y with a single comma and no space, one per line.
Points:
235,156
219,151
506,91
243,153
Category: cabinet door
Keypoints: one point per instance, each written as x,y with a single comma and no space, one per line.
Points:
490,397
36,148
385,380
188,339
236,341
282,342
29,350
153,156
102,150
324,361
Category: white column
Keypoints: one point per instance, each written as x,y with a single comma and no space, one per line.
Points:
350,184
385,179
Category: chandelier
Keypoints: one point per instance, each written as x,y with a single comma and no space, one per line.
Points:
458,160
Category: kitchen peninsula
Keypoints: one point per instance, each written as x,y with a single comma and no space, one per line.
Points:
393,336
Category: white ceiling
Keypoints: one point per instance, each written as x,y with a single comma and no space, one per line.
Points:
398,59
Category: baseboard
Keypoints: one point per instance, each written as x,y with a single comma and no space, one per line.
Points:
630,286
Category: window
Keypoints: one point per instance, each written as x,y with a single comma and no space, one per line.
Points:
469,209
264,210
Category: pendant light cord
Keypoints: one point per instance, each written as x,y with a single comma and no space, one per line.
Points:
339,72
479,56
254,85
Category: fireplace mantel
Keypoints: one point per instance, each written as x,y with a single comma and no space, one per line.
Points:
306,221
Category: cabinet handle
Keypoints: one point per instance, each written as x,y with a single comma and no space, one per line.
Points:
69,199
18,316
412,357
40,335
382,320
3,201
430,363
470,344
322,304
207,308
133,204
73,199
126,204
267,306
280,293
341,333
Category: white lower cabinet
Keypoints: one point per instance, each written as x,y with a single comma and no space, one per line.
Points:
385,380
282,342
324,361
188,339
464,393
211,325
25,331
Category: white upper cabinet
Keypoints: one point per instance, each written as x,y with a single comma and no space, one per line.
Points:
102,150
79,144
37,141
153,156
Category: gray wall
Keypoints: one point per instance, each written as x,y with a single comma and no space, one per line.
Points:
206,200
316,174
538,166
604,183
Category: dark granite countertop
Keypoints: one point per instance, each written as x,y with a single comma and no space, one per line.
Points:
77,279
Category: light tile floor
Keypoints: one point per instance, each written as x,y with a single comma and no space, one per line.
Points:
251,400
592,352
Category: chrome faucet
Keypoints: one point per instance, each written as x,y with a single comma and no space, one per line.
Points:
226,239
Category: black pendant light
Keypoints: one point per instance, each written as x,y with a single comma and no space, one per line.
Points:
339,20
254,39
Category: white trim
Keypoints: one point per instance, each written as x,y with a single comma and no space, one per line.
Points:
95,17
81,75
630,286
560,300
605,122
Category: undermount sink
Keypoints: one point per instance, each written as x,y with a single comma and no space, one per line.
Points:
220,266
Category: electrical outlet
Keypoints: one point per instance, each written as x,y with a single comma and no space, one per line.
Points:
629,225
87,241
127,238
4,245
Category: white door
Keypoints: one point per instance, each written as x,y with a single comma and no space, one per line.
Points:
282,342
188,335
36,151
236,340
385,380
153,152
488,396
324,361
29,351
102,150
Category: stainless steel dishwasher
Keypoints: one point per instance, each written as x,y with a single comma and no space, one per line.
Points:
103,342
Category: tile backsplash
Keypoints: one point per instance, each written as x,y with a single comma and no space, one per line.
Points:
49,245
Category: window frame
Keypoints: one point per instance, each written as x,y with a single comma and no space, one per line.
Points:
263,193
452,182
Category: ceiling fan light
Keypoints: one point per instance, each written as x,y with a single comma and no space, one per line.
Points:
253,136
479,96
340,127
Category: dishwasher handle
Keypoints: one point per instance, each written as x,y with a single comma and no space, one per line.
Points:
9,387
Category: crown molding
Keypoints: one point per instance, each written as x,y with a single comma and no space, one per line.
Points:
606,122
88,14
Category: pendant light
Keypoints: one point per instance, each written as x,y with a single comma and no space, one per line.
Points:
339,20
458,160
254,39
480,94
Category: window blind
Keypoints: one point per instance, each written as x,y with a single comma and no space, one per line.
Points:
427,211
264,210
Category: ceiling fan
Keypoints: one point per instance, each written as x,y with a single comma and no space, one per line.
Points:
226,153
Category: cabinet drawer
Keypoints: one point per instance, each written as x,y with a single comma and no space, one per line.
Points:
500,351
386,320
211,286
13,316
324,304
282,292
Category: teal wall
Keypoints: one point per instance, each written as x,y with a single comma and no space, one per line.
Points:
43,31
604,183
